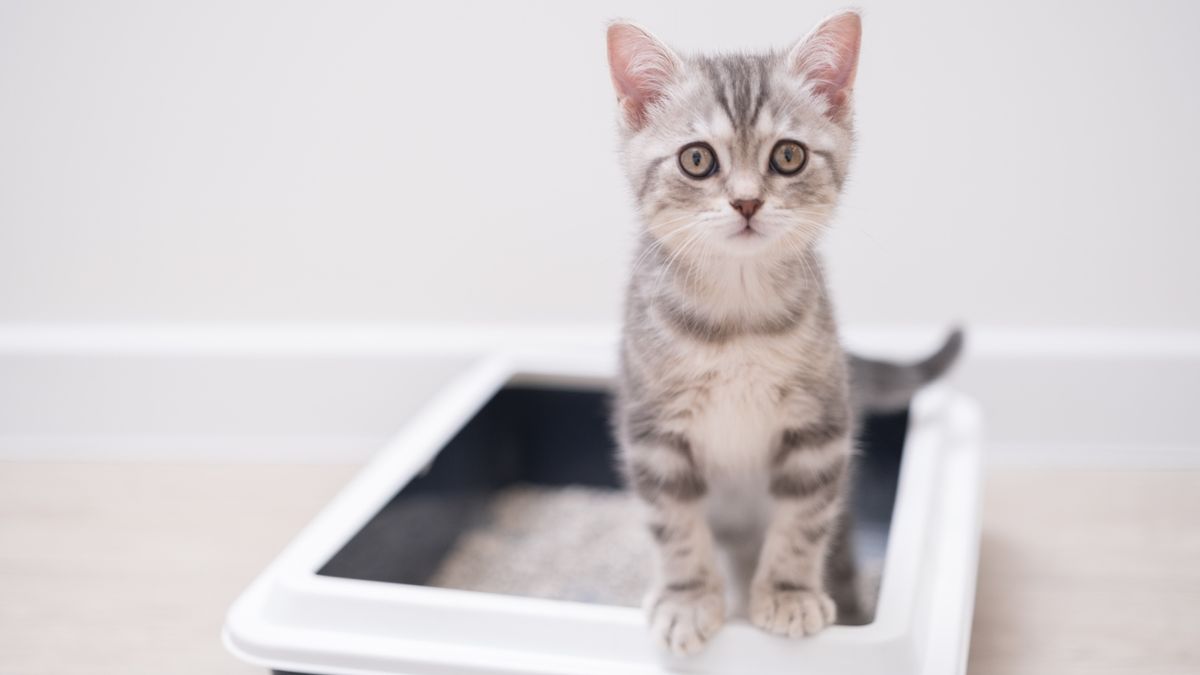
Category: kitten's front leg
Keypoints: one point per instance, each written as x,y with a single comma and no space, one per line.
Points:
686,607
808,476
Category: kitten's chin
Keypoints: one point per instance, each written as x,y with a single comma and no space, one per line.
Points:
746,241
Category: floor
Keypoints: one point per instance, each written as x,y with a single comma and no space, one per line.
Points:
128,568
1089,572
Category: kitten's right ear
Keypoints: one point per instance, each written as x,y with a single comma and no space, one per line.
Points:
642,67
827,60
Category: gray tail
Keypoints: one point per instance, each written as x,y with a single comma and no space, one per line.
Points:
882,386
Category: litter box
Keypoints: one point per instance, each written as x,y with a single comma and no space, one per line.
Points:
490,536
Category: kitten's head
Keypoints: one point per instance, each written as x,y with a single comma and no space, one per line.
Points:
740,155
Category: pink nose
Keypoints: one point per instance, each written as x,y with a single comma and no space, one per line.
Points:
746,207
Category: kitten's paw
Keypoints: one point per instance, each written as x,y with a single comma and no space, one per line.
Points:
789,611
683,619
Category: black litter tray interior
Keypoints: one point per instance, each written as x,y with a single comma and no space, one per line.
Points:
546,437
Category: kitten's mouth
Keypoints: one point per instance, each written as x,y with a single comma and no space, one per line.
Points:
747,231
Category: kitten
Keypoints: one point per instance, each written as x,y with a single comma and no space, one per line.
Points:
734,415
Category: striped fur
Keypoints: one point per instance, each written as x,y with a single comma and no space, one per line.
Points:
733,415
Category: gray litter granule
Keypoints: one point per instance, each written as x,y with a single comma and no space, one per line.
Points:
565,543
574,543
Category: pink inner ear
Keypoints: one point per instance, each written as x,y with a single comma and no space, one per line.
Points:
828,59
641,68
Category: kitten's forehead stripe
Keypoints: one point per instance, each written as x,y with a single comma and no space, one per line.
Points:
740,85
762,91
718,81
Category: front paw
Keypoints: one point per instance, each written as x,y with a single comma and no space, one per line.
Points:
786,609
684,616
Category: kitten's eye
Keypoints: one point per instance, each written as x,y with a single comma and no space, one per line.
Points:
788,157
698,160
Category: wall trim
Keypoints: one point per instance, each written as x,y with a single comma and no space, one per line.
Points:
335,392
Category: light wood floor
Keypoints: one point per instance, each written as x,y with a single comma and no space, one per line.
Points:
129,568
1089,572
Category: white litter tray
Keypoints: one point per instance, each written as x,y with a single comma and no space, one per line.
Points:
351,595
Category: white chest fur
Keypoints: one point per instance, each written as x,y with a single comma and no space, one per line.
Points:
739,396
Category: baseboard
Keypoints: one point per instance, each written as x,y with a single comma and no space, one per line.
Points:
309,393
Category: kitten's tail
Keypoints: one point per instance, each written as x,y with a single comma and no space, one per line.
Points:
882,386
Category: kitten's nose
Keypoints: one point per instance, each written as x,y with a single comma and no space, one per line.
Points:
746,207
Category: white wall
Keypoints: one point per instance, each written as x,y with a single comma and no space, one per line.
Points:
1021,163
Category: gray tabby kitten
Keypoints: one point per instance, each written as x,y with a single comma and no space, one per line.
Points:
734,414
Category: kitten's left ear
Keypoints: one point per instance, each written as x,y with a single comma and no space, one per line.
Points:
827,60
642,67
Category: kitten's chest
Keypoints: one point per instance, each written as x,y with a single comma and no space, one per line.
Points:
737,399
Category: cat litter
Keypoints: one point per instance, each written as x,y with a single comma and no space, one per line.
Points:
573,543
